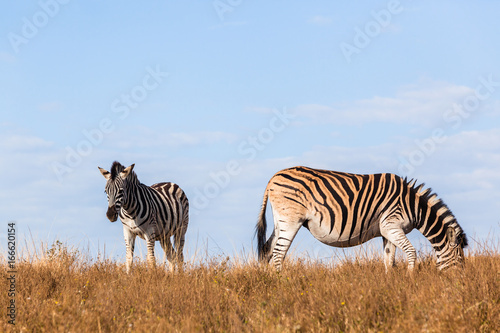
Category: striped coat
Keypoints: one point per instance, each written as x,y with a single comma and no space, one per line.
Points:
153,213
342,209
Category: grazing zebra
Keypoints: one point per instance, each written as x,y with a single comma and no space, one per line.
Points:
343,210
155,212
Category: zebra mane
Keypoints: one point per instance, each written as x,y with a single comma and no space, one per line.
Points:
116,168
427,197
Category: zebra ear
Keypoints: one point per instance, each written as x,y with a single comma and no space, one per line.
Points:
124,174
105,173
452,236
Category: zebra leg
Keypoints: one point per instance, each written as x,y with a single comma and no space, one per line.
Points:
284,234
389,254
150,244
397,236
179,237
129,246
167,247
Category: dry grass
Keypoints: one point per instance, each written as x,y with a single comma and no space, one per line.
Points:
69,292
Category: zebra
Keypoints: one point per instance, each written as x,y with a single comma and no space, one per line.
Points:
344,209
154,213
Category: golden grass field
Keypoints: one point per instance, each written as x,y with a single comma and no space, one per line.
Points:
66,291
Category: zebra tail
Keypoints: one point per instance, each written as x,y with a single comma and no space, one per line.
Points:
261,228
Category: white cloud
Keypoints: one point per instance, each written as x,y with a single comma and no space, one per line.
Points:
147,137
7,57
226,24
393,28
23,142
320,20
261,110
51,106
195,138
424,103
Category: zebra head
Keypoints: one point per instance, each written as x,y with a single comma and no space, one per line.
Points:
115,188
452,252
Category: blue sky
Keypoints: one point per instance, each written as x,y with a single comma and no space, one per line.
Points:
217,96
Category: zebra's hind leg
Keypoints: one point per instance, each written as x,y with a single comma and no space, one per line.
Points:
284,234
179,239
397,236
389,254
167,247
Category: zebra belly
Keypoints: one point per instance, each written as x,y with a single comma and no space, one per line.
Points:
142,230
334,238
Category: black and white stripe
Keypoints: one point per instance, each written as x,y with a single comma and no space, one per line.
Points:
154,213
343,210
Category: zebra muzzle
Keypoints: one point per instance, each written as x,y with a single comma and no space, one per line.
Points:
111,214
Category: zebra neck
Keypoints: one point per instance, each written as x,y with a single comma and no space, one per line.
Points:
433,219
131,204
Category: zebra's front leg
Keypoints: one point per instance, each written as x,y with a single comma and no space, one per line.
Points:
150,244
397,236
129,247
389,254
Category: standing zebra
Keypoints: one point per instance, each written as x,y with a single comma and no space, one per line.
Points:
343,210
155,212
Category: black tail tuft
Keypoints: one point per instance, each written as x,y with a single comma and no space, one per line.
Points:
260,230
